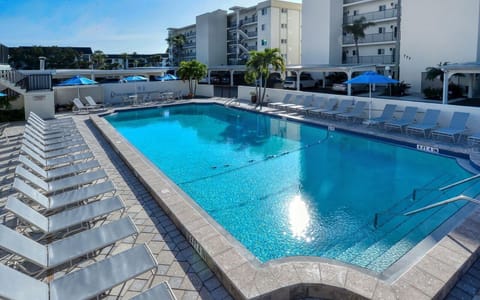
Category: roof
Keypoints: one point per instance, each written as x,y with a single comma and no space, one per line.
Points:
83,50
331,68
468,67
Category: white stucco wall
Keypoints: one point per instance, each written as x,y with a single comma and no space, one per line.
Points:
321,32
434,31
211,39
473,124
42,103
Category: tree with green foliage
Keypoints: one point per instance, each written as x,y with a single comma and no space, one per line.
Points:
357,29
125,58
98,59
259,66
175,47
192,71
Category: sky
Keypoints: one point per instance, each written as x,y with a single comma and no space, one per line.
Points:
112,26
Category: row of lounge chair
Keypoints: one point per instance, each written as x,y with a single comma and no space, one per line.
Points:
349,109
61,206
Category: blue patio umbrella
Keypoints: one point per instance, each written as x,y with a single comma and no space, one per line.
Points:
3,95
134,78
370,78
77,80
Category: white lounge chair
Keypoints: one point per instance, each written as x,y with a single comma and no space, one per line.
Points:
57,161
92,103
356,112
47,140
62,184
79,107
3,127
54,146
85,283
62,121
330,105
342,108
458,125
60,201
51,174
162,291
286,100
65,250
429,122
387,115
407,118
56,153
65,222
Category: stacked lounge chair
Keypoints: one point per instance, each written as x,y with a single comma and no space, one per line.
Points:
58,208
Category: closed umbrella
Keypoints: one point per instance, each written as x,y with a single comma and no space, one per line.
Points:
370,78
77,81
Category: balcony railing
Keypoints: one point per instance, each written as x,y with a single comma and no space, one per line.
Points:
372,16
351,1
248,21
370,59
371,38
188,45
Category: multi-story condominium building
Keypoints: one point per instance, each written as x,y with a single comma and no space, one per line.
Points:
219,38
405,37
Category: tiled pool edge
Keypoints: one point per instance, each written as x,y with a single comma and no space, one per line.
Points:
431,277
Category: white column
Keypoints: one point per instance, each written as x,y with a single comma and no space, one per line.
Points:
349,86
209,73
471,85
231,77
446,79
298,80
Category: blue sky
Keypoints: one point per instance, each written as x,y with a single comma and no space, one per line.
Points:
113,26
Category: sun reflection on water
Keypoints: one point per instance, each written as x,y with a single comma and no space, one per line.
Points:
299,218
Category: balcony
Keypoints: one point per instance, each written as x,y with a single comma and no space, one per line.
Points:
353,1
372,16
189,45
248,21
370,59
371,38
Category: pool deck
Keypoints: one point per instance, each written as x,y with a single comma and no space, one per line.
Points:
201,261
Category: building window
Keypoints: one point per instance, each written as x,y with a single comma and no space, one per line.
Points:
355,12
283,41
381,51
354,52
264,42
382,8
264,11
263,27
284,10
283,25
381,29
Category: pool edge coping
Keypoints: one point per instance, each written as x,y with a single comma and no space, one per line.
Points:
430,277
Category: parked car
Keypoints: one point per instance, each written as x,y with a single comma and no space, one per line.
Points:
356,88
306,81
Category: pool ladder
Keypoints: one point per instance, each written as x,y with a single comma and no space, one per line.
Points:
440,203
231,101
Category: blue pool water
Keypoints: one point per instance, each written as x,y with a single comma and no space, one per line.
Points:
283,188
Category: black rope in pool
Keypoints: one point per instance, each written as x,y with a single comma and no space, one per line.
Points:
252,162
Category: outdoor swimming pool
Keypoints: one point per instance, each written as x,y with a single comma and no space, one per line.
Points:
283,188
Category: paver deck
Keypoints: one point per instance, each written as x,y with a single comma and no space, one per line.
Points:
191,278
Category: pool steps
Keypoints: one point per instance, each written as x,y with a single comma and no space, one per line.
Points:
402,231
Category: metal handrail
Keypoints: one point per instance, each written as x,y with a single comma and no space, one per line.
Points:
446,187
443,188
450,200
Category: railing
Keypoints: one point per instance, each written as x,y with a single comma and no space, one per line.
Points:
372,16
351,1
444,202
371,38
187,45
446,187
248,21
29,82
370,59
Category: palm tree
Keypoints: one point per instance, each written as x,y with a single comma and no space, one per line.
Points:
357,29
98,58
125,57
435,72
192,71
175,46
259,65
